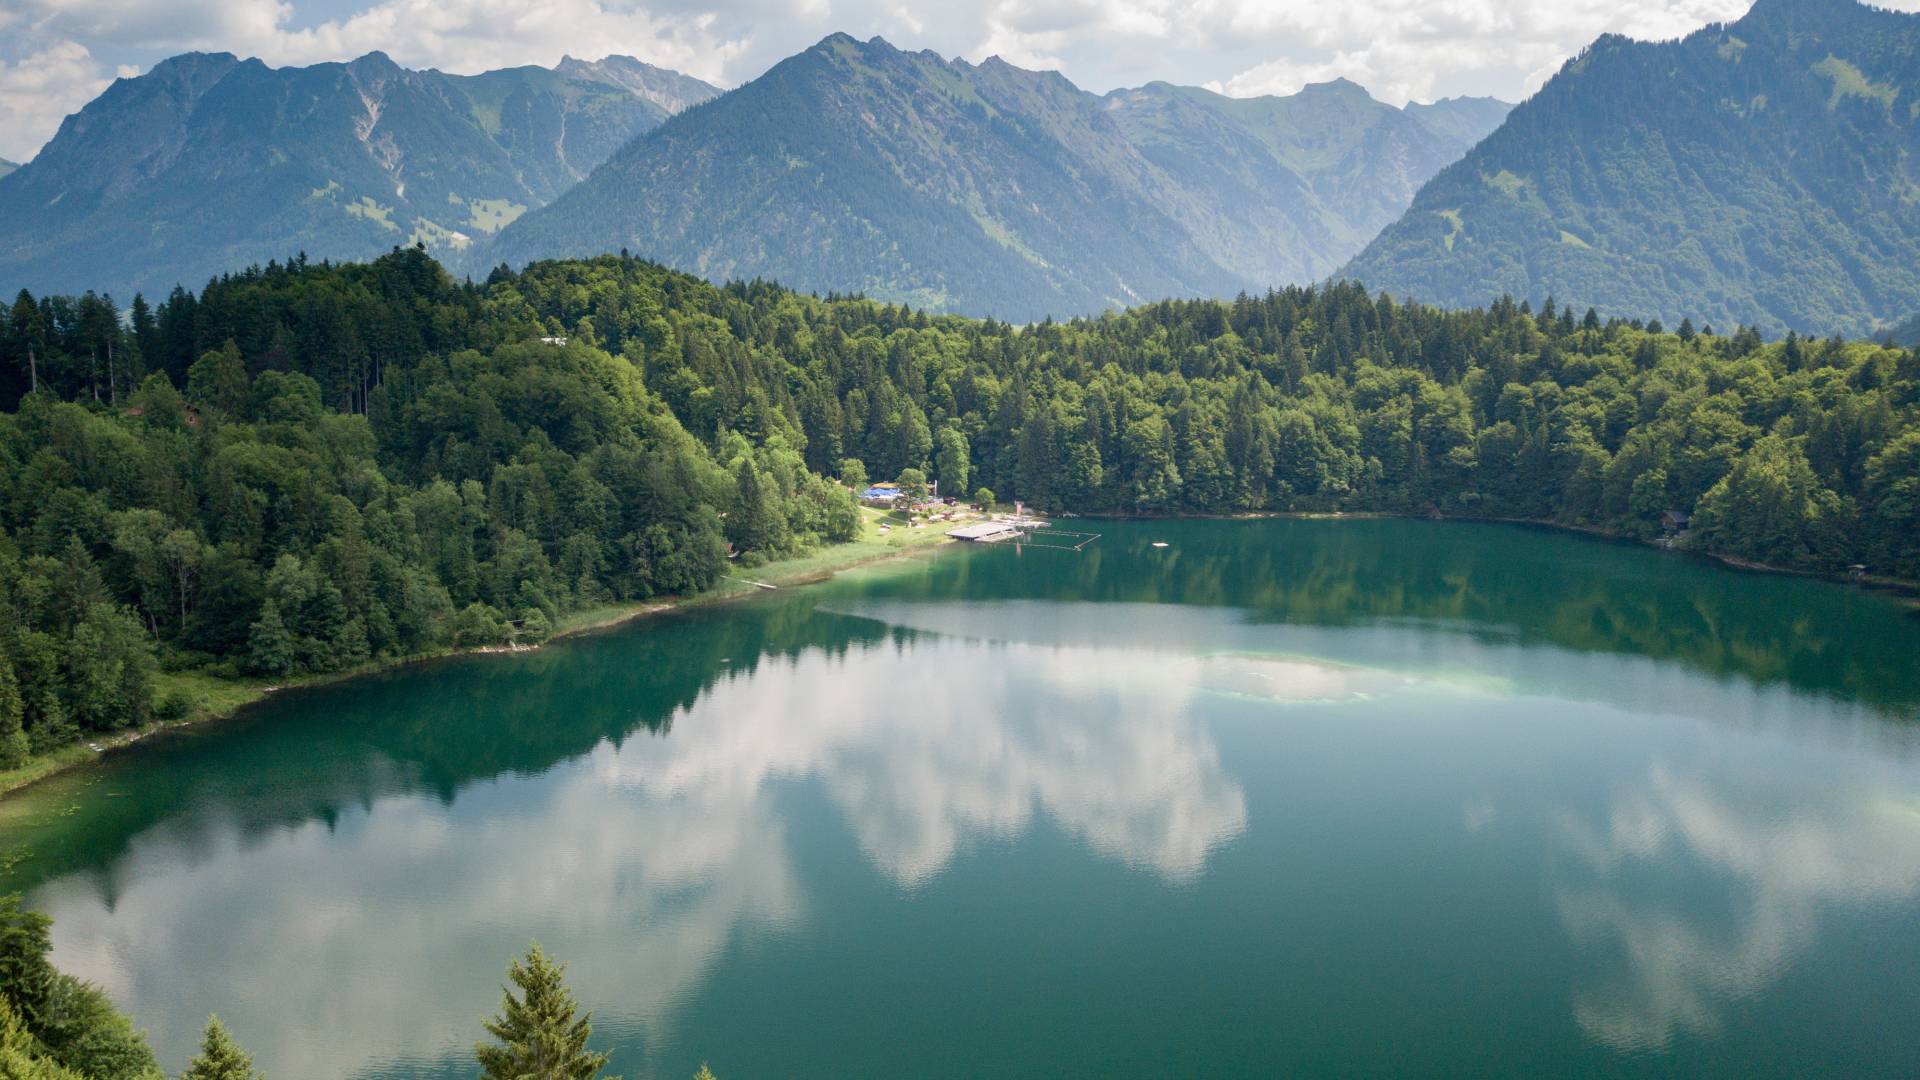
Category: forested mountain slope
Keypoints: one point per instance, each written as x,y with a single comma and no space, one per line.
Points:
304,468
1762,173
989,189
209,162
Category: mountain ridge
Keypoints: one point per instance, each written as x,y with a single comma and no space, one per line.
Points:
992,189
208,163
1757,172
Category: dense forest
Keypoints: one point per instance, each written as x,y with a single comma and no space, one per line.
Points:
309,466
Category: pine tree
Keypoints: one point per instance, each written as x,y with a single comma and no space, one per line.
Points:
21,1055
220,1058
540,1036
26,979
14,746
269,646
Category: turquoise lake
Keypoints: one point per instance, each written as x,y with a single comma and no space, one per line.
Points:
1300,798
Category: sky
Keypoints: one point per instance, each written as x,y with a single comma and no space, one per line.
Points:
55,55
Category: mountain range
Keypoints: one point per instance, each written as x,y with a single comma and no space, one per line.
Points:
209,163
1764,172
7,166
990,189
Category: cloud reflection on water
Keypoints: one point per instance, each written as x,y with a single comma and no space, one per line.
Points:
643,863
1683,967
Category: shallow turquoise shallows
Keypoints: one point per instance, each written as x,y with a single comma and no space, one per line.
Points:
1280,798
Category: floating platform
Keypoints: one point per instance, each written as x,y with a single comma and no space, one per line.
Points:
1022,532
991,532
1058,538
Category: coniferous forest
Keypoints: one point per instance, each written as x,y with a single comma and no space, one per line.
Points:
307,467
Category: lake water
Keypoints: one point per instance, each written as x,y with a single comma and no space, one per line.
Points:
1349,798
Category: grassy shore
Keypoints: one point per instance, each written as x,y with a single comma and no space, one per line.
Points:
214,698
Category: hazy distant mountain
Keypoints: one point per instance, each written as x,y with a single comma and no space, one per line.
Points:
1763,172
1464,120
6,166
995,190
209,163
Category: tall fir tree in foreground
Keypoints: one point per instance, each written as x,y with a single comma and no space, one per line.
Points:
220,1058
21,1055
52,1025
542,1033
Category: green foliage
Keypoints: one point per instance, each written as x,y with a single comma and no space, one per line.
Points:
217,383
26,978
14,746
84,1032
479,624
913,483
1671,179
534,628
269,646
952,459
540,1034
1771,507
21,1055
45,1014
332,510
853,473
983,498
220,1058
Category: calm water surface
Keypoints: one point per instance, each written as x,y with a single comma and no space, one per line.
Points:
1368,798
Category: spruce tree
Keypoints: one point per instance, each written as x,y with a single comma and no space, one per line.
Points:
14,746
269,645
541,1037
26,979
220,1058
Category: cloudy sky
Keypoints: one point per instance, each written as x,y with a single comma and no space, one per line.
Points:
57,54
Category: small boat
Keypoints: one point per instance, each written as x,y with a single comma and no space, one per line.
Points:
1159,543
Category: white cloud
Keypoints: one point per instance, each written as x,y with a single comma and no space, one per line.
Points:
475,35
41,88
1399,49
55,44
1405,49
456,35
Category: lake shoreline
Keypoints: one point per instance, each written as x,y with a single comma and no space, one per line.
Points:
1904,590
231,696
